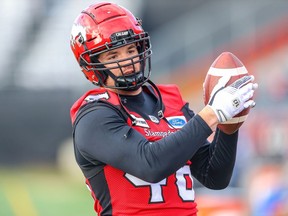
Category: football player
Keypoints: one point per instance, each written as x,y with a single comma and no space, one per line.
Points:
138,144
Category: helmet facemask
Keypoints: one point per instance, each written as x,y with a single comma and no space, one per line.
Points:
102,70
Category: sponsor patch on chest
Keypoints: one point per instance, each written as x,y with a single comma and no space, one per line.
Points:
140,122
177,121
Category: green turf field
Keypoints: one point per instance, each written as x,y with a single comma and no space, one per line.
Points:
43,192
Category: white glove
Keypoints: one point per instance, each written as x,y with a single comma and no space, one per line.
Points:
228,101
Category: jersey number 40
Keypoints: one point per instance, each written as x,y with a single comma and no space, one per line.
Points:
184,184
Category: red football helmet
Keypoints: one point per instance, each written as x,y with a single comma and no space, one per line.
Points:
106,26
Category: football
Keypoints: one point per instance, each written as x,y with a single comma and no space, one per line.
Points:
225,63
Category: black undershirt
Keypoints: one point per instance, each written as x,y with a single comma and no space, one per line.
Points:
139,103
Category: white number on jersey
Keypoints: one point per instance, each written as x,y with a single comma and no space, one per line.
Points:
184,185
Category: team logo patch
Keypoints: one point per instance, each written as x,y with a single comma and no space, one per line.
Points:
177,121
154,119
140,122
91,98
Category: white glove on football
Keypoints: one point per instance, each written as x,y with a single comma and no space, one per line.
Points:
228,101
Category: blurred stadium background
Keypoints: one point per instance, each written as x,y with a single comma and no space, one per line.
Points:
39,80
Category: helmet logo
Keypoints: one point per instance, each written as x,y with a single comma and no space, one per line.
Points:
78,33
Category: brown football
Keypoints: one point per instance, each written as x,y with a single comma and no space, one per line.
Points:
225,63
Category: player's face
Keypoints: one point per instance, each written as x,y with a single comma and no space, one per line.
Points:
124,52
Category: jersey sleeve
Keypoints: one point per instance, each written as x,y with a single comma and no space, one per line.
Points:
102,135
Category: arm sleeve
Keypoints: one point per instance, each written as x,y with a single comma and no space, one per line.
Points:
213,163
103,135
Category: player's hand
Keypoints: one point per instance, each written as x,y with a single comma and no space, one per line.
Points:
228,101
